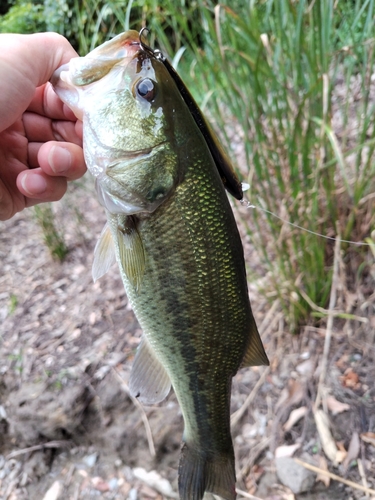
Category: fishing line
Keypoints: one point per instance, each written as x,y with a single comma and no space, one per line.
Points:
247,204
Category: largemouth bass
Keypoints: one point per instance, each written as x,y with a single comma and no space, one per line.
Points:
173,234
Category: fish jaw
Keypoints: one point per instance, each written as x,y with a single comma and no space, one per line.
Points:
70,80
67,92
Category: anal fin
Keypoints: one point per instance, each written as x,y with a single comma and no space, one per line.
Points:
255,355
149,382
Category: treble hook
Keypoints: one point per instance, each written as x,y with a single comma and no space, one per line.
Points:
156,53
143,45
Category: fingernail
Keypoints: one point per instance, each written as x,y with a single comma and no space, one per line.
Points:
33,184
59,159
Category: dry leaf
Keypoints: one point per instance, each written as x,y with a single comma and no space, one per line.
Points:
291,395
294,417
336,407
343,361
285,492
155,481
286,450
350,379
322,477
368,437
326,439
341,455
353,451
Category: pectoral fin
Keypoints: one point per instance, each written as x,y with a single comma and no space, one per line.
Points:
132,255
255,354
104,254
149,382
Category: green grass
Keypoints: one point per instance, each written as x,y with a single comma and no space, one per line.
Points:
293,80
23,17
13,303
53,238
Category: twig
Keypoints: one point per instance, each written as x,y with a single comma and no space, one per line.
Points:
76,493
327,340
255,452
361,471
269,317
69,475
246,495
37,447
317,470
237,415
142,411
327,312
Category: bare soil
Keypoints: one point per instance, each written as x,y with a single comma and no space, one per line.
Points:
70,430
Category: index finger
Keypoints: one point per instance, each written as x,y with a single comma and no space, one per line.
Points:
47,103
28,61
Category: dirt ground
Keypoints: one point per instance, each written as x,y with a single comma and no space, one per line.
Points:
70,430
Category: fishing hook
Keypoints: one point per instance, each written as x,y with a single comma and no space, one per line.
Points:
156,53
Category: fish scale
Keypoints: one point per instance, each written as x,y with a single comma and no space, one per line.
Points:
173,234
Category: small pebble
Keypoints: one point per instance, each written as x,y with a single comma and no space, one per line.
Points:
113,483
99,484
90,460
133,495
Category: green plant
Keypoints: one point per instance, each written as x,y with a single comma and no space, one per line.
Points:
52,237
23,17
13,303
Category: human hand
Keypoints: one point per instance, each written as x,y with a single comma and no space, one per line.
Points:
40,138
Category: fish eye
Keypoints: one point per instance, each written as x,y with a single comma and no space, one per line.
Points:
146,89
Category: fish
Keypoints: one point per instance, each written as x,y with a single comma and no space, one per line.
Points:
161,176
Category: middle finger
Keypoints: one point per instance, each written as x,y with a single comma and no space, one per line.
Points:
41,129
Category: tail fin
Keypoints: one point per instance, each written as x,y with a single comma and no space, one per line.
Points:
199,472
